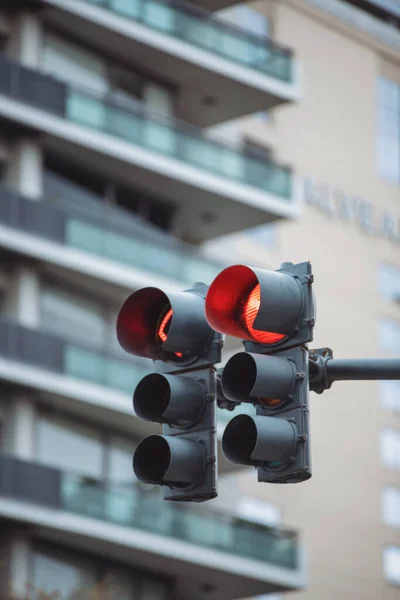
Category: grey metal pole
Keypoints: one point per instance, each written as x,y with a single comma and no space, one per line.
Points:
362,369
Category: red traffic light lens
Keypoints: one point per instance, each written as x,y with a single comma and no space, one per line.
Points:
233,302
144,322
250,309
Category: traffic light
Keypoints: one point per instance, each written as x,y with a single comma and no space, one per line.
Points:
274,314
171,329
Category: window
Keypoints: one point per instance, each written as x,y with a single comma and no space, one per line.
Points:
389,129
70,446
74,65
60,577
72,317
68,575
391,564
389,334
389,282
120,461
247,19
259,511
391,506
390,448
390,395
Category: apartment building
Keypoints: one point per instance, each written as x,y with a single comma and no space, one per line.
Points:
119,167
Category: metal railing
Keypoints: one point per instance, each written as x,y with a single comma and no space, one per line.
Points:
69,216
134,507
134,124
203,29
131,506
70,358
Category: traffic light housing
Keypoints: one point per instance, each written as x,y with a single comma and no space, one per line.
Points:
274,314
171,329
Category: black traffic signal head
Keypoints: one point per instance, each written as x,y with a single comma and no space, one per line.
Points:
183,459
180,463
276,439
170,327
170,399
270,308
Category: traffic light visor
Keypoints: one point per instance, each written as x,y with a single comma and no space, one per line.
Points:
233,303
144,321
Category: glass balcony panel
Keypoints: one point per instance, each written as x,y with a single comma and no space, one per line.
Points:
152,515
136,252
167,138
120,505
127,8
83,498
200,153
84,236
124,124
83,364
132,506
125,376
234,47
207,32
160,137
86,111
159,15
200,32
232,164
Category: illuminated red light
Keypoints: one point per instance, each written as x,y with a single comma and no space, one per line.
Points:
162,333
250,310
232,305
164,328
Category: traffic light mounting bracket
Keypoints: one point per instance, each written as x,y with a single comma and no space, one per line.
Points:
324,369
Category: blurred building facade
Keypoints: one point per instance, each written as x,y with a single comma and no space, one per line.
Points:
152,143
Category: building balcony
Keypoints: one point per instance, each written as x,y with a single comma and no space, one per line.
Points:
98,383
196,546
65,230
217,188
200,54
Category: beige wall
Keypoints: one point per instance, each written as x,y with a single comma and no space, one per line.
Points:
331,136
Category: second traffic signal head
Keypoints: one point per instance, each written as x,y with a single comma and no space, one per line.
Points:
170,327
273,308
258,379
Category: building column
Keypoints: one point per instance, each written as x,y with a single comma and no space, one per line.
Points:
25,168
23,299
26,40
21,427
19,565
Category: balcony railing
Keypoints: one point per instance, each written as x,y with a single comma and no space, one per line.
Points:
105,231
133,507
73,359
203,29
136,125
69,358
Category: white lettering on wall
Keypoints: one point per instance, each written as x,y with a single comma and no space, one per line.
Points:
335,204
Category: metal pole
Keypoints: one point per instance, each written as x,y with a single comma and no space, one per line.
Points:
363,369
